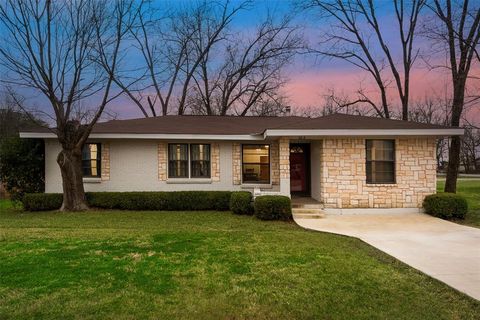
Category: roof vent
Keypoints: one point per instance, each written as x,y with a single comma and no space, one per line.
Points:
287,110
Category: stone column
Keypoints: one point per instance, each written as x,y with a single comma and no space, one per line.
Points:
105,156
162,161
275,161
284,155
237,163
215,174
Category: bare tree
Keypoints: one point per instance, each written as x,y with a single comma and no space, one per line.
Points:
470,152
457,29
340,102
67,51
251,72
433,110
173,48
350,40
12,119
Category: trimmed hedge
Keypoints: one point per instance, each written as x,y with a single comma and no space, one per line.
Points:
177,200
241,202
446,205
42,201
273,208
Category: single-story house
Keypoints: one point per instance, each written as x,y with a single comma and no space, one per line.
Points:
342,161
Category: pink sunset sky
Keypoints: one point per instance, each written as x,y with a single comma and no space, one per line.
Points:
307,88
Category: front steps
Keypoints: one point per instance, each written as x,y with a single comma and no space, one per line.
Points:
307,211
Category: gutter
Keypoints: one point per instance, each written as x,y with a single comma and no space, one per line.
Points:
307,133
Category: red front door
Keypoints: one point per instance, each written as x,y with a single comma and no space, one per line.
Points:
298,168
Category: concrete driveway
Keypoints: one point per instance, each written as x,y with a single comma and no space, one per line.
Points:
444,250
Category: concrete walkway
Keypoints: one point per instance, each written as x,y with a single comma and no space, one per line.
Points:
443,250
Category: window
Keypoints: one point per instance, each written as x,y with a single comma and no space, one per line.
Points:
380,161
178,160
255,163
200,163
91,160
188,161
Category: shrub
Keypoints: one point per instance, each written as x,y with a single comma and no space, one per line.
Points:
42,201
22,166
178,200
241,202
446,205
273,208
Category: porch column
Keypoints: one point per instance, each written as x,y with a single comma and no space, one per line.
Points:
284,156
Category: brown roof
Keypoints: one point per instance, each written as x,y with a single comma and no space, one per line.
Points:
197,125
232,125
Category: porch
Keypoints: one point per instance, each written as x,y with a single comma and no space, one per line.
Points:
295,169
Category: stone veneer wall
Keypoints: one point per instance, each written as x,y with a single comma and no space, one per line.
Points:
162,161
105,157
343,175
237,163
275,162
284,146
215,174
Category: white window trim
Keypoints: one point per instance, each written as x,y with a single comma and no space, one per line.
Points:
92,180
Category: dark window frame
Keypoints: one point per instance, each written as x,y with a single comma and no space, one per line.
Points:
394,161
98,160
189,161
258,163
209,160
169,165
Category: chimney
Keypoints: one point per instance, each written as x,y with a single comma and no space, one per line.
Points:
287,111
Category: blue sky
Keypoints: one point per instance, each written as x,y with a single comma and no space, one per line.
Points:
309,78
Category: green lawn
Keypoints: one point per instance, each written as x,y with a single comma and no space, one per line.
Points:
470,189
203,265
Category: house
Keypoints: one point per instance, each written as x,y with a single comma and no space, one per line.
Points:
342,161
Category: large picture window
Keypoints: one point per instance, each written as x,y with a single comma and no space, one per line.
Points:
188,160
91,160
255,163
200,163
380,161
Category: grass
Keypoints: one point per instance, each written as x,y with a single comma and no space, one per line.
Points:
470,189
203,265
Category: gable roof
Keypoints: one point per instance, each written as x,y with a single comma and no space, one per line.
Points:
256,128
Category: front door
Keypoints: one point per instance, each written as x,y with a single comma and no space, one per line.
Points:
300,169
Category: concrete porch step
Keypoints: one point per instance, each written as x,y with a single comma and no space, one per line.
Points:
308,212
307,205
318,215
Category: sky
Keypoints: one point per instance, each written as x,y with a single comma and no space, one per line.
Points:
310,77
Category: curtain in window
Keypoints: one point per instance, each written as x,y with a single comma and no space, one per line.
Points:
200,160
178,160
91,160
380,161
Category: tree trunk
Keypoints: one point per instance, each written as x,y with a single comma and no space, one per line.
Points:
456,143
70,162
405,109
453,163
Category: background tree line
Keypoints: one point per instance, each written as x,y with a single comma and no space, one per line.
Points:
194,58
